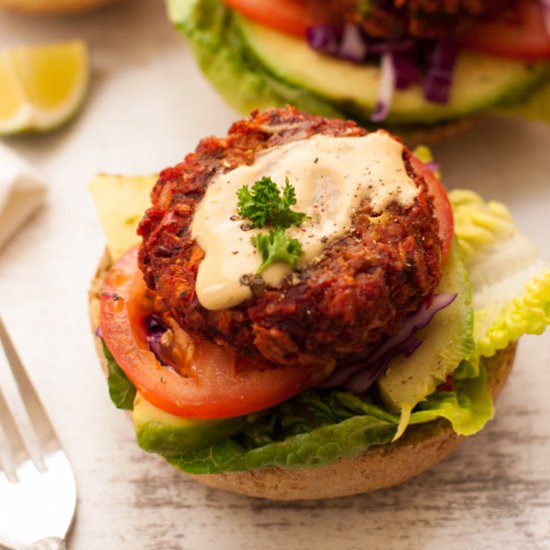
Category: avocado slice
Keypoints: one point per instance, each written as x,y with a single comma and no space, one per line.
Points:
447,342
160,432
479,82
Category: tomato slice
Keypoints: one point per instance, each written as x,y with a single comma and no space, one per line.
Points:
288,16
526,38
215,384
442,206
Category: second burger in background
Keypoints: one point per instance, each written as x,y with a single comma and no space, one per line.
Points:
424,68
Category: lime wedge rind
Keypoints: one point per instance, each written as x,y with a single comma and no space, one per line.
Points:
43,86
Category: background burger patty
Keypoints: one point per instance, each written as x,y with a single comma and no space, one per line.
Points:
396,19
360,289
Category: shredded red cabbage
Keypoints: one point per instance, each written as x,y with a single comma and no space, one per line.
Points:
323,38
387,86
405,63
154,328
439,75
362,380
357,373
433,166
381,47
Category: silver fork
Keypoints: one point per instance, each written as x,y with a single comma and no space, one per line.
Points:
37,484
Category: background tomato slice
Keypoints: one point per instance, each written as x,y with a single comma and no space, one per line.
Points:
216,386
288,16
526,38
443,209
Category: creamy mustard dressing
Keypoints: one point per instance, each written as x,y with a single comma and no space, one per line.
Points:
331,175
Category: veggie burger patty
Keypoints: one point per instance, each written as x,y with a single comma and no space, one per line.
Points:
358,290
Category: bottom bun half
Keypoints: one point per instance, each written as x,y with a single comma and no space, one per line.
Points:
420,448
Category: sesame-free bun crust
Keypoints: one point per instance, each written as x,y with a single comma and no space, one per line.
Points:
53,6
380,467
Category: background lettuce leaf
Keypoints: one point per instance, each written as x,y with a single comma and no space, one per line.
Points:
228,64
510,281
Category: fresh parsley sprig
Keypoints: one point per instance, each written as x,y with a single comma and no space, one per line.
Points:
265,206
277,246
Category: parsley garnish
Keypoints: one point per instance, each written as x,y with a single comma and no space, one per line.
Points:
265,206
277,246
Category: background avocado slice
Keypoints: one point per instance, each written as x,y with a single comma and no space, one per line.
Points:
160,432
479,82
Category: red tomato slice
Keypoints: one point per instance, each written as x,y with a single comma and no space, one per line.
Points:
443,209
288,16
216,384
526,38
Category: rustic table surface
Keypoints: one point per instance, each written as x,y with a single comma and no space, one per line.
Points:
147,107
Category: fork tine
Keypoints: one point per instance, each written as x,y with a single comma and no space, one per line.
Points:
12,457
44,431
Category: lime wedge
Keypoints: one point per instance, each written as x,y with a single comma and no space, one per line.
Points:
42,86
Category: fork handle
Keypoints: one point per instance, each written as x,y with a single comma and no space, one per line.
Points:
51,543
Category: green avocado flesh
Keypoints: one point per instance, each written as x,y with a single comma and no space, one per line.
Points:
445,344
163,433
479,81
253,66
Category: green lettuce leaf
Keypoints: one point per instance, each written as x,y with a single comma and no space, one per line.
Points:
121,390
467,409
313,428
510,282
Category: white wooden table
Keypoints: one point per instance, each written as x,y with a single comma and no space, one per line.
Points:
148,106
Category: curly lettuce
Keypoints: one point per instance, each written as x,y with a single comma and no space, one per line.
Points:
510,282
